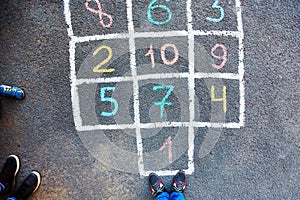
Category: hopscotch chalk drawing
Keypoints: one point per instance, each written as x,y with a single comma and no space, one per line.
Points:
148,77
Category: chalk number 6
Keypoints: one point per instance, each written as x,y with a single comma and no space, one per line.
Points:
97,69
152,7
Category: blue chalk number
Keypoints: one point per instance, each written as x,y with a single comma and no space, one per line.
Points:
152,7
215,5
108,99
163,102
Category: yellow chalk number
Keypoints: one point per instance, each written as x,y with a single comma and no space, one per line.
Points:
97,69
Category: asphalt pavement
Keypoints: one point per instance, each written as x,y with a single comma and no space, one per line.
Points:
86,148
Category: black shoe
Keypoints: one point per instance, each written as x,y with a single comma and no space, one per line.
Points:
179,183
8,173
29,186
156,185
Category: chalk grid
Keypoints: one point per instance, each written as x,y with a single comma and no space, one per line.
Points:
135,78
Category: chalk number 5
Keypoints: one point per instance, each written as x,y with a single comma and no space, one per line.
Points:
103,98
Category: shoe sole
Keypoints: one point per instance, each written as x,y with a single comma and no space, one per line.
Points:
17,159
38,175
18,163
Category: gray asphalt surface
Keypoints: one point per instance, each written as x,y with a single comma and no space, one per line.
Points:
258,161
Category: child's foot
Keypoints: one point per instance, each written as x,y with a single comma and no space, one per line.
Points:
10,91
156,185
8,173
179,183
29,186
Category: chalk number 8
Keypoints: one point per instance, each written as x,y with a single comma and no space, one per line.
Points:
152,7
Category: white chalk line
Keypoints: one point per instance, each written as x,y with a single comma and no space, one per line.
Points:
67,14
131,36
74,89
158,76
136,103
241,68
80,39
72,49
191,80
158,125
166,172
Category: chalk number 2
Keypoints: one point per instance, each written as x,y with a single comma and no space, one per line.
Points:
97,69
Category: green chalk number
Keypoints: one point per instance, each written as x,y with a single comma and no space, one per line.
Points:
222,13
163,102
153,7
109,99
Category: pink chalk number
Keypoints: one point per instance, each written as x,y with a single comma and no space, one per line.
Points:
168,144
163,54
100,13
223,58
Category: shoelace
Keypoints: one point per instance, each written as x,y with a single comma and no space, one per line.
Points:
157,189
178,186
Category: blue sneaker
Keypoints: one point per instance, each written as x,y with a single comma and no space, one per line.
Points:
10,91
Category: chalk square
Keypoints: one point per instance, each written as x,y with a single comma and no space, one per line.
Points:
87,23
157,16
124,139
208,109
164,100
110,147
202,10
162,55
165,148
209,48
106,103
111,55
